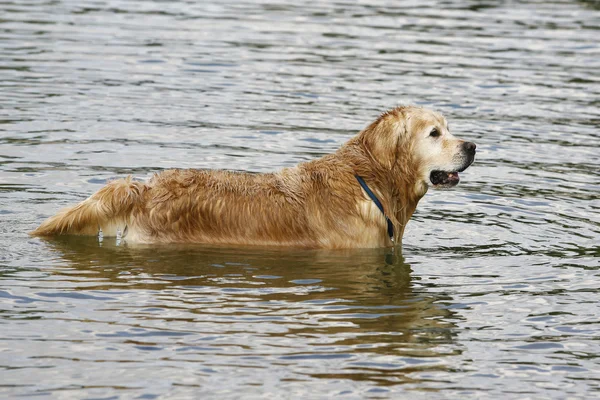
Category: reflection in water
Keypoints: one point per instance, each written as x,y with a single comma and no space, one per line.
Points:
339,306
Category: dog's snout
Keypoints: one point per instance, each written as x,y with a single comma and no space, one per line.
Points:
469,147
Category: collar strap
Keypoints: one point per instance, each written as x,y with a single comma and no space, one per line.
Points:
390,226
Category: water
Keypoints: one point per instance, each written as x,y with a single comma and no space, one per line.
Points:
495,294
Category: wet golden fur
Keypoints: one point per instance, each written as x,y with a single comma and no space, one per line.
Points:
317,204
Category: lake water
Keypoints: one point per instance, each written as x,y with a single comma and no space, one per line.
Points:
496,292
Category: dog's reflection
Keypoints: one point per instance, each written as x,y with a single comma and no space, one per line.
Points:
357,297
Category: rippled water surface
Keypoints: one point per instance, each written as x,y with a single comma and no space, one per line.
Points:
495,294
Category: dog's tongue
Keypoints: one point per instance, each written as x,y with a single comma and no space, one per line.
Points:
453,177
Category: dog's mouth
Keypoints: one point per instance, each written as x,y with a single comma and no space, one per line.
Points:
444,178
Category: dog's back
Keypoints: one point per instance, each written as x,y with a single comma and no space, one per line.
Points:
225,207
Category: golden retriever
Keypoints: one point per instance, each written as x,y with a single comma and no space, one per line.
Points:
361,196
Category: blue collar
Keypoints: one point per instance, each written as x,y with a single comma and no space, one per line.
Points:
390,226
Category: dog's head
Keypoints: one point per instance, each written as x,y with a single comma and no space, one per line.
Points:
420,138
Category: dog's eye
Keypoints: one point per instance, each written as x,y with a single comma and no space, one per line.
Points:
434,132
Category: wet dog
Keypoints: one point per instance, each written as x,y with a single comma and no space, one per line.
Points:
363,195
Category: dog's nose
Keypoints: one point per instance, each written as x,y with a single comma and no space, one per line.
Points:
469,147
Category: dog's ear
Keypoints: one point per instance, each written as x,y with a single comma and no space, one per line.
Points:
381,140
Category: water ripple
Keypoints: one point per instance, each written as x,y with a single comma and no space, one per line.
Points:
495,295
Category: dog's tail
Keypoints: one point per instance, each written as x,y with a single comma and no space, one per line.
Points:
108,209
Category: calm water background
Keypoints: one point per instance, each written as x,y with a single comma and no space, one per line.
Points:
496,292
